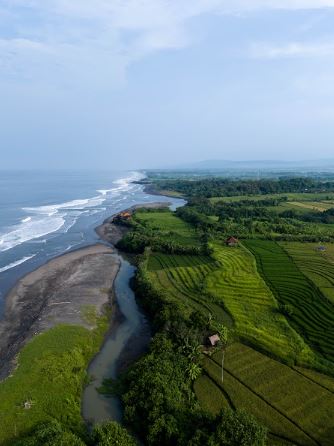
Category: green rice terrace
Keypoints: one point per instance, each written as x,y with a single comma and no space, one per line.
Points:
312,315
296,408
167,227
316,261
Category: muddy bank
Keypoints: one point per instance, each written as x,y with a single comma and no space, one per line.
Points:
112,233
61,291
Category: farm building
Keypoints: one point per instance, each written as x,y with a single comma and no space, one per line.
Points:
321,248
122,216
214,339
232,241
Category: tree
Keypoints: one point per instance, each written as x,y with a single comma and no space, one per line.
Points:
238,429
51,433
112,434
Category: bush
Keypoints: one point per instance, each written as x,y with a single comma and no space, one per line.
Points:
50,434
238,429
112,434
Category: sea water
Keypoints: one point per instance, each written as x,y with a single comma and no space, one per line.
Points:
45,214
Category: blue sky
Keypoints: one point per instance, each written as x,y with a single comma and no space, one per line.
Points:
145,83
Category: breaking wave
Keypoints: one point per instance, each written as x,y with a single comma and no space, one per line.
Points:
44,220
17,263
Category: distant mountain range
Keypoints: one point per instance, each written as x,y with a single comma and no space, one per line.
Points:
259,164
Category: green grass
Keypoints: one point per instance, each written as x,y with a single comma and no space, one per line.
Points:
318,266
50,375
325,197
287,402
313,314
252,304
210,396
168,227
183,276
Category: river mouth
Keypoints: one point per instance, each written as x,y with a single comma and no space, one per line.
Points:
127,339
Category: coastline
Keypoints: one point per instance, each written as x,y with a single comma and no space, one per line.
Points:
58,292
62,291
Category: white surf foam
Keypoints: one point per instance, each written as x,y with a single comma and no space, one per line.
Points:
30,230
44,220
17,263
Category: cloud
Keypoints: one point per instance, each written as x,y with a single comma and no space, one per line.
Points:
291,50
85,41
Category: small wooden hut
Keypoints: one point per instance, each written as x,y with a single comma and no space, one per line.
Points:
213,340
232,241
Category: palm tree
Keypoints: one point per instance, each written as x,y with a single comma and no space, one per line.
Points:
194,371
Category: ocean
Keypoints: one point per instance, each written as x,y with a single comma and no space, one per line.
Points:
45,214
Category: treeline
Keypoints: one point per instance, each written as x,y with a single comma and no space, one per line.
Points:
256,218
220,187
136,241
52,433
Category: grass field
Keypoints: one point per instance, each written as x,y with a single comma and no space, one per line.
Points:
313,314
252,304
326,197
317,265
50,376
291,405
183,276
168,227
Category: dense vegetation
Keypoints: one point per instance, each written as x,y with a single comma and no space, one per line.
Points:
218,187
53,433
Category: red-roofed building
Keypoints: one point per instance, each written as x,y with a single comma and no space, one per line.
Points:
232,241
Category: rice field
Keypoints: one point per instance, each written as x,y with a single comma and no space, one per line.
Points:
313,314
168,227
317,265
325,197
252,305
184,276
296,409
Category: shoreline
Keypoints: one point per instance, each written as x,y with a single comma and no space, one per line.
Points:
57,292
62,291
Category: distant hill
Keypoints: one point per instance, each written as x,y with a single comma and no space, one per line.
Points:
259,164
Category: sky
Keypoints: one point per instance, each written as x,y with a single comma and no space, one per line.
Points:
123,84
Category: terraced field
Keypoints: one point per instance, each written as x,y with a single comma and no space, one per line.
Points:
313,314
294,407
169,227
318,266
184,276
253,306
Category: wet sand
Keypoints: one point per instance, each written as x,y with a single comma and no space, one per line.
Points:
60,291
57,292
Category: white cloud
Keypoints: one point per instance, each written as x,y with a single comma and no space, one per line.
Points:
96,40
291,50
